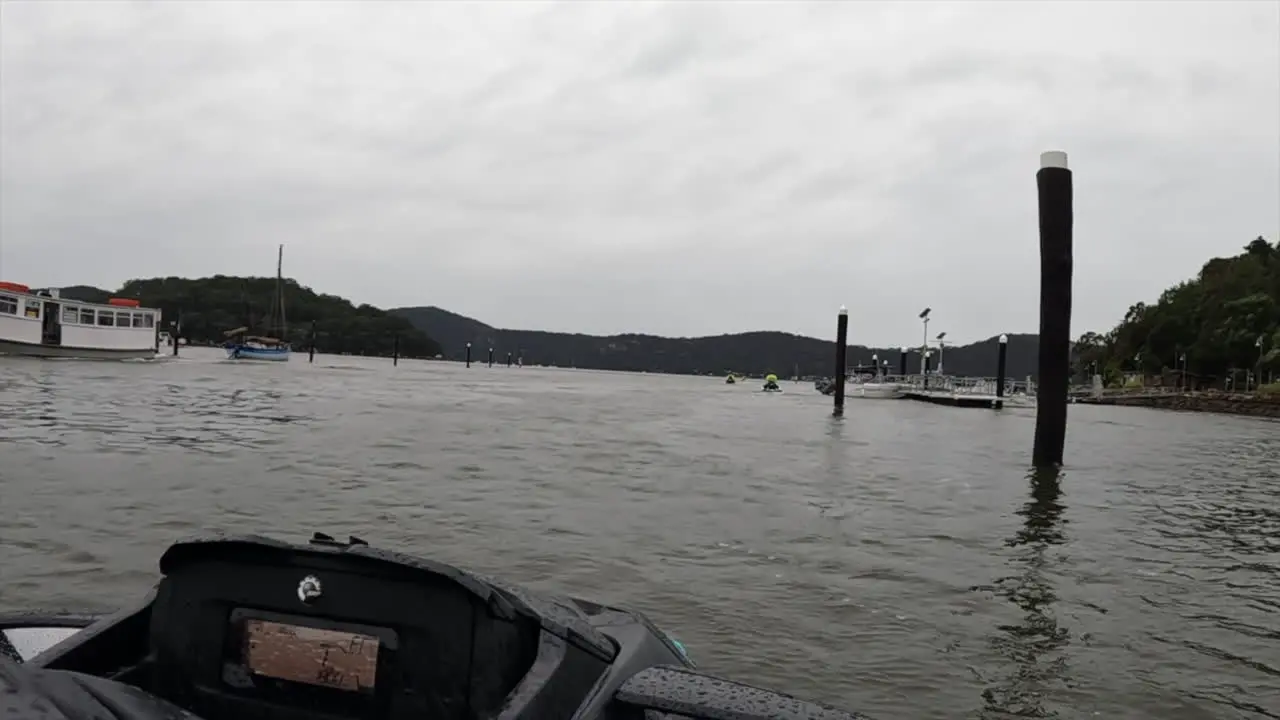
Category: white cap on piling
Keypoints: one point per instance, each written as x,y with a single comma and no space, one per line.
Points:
906,349
844,310
1004,339
1053,159
468,344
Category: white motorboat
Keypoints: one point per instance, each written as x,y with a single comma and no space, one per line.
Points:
874,389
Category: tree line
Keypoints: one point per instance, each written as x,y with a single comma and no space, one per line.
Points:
1224,322
756,353
206,308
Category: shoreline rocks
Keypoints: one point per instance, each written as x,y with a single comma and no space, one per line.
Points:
1210,402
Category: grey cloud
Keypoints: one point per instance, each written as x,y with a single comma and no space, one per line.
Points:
681,168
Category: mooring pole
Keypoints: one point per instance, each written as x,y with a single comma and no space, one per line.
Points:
1001,357
902,363
1054,190
842,351
468,354
508,359
177,333
311,352
490,357
395,350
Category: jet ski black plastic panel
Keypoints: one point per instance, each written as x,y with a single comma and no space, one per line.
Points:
236,624
425,639
28,693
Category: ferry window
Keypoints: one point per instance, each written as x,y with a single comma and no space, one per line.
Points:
33,309
106,318
86,316
149,320
8,305
70,314
138,319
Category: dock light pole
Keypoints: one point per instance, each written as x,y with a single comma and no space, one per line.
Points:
842,350
924,346
1054,194
1258,374
941,346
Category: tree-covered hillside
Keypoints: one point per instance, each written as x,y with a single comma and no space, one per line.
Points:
208,307
753,352
1226,318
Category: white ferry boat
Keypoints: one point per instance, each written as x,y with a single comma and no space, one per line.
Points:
39,323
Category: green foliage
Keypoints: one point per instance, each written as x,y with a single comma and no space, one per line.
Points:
208,307
1215,319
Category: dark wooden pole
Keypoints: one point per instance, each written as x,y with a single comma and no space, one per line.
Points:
1001,366
508,359
490,357
842,351
1054,190
902,363
311,352
468,354
395,350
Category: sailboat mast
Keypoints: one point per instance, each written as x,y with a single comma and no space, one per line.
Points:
284,328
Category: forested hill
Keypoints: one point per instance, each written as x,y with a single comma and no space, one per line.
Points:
1226,318
210,306
754,352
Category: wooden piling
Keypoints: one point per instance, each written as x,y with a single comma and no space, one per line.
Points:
468,354
1054,191
1001,365
395,350
842,351
311,349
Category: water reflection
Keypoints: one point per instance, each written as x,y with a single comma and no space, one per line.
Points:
1036,644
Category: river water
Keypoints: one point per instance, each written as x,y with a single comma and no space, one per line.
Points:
901,562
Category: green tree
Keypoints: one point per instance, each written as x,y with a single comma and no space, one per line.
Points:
208,307
1214,319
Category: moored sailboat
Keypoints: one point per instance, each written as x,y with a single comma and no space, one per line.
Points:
242,345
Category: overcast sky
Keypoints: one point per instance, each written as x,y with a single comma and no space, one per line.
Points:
679,169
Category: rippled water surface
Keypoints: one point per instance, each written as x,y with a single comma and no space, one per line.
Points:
901,562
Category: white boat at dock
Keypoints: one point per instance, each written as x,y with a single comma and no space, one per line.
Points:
40,323
873,390
872,383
